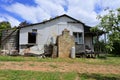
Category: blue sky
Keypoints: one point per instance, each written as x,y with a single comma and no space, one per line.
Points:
34,11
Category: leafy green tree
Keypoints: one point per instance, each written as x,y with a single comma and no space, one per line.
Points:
4,25
98,45
97,32
110,23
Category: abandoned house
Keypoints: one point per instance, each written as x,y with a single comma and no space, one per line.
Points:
50,36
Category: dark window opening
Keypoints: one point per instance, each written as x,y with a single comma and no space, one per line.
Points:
32,37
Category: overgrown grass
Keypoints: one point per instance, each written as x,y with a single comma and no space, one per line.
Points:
101,61
35,75
94,76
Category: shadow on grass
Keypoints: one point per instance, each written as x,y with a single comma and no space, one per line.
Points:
113,55
85,76
102,57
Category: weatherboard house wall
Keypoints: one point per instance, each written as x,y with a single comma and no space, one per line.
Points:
39,38
9,41
47,33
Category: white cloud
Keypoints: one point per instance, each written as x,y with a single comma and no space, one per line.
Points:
113,4
83,10
44,10
13,21
51,7
29,13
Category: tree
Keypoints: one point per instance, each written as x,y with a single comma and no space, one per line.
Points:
110,23
4,25
97,32
98,45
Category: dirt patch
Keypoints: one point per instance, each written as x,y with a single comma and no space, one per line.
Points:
61,67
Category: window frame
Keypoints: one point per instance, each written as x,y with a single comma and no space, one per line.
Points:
78,38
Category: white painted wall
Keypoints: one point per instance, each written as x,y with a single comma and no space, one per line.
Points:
47,32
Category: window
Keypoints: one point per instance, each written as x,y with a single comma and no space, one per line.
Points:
31,37
78,37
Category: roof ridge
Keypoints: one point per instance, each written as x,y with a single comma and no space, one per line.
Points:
51,20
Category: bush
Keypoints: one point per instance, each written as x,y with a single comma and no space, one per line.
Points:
116,48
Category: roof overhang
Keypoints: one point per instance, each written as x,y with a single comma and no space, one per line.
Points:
64,15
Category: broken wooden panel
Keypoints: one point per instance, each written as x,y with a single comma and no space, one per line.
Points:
10,40
79,48
54,53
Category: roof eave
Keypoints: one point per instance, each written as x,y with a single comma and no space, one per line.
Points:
51,20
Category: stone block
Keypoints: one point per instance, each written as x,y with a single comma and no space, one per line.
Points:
65,43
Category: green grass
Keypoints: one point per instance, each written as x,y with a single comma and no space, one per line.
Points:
98,61
10,58
53,66
94,76
35,75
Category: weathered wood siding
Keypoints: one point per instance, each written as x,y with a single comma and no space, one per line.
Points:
48,32
89,41
10,40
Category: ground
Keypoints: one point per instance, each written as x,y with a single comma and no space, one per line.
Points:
110,65
84,67
61,67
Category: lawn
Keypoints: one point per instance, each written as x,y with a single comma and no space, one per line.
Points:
7,71
101,61
35,75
